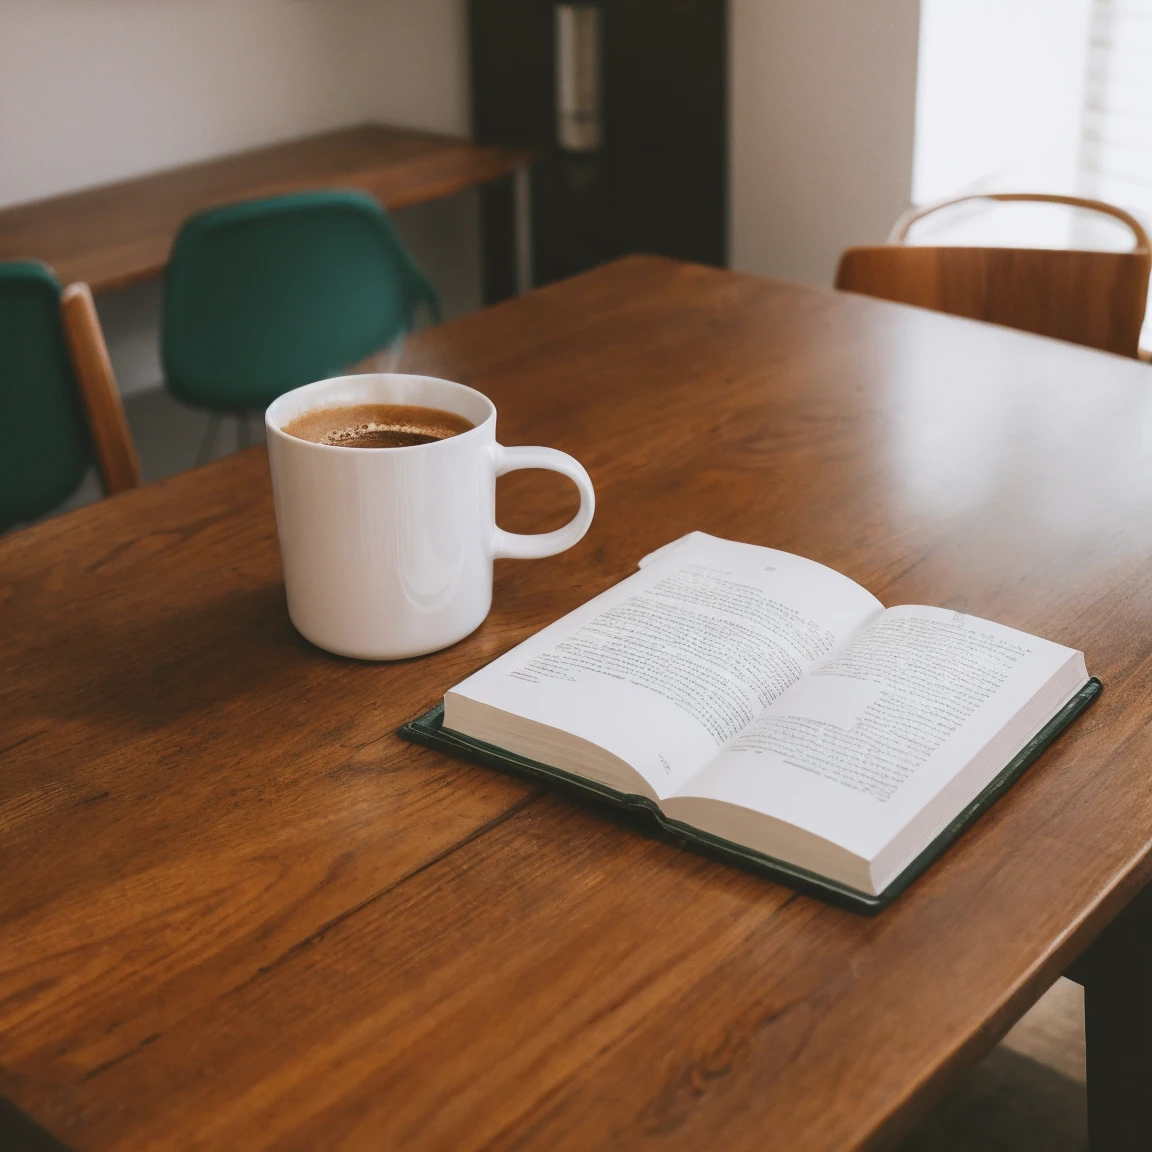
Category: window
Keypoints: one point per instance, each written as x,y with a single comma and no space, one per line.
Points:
1037,96
1116,129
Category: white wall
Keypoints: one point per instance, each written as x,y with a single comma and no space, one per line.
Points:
823,96
98,90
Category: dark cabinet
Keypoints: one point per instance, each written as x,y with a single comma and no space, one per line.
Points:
658,179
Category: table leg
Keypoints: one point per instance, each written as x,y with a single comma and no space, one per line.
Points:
1117,976
522,229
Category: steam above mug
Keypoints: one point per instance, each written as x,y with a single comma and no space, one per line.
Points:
388,552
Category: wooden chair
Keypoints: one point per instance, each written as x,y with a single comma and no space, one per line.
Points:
59,404
1092,298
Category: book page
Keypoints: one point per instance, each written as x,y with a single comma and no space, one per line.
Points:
663,669
864,742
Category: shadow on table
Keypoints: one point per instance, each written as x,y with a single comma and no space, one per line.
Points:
146,670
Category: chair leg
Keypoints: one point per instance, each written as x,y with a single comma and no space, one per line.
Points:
208,442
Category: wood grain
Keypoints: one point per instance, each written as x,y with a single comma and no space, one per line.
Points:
1092,298
237,912
116,455
118,234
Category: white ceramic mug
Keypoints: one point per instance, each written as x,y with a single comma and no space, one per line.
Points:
388,551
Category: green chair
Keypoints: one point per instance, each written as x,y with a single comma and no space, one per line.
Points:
59,406
263,296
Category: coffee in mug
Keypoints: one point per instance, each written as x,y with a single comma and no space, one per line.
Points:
385,491
377,425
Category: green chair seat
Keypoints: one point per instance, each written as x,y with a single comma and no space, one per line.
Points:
47,448
263,296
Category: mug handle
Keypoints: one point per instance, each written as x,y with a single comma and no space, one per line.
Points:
517,545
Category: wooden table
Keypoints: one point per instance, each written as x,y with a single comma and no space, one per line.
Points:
119,234
240,913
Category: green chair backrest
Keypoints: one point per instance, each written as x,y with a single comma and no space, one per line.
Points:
263,296
47,449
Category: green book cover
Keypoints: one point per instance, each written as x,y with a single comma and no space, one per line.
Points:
429,730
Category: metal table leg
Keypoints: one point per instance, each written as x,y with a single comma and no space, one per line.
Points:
522,229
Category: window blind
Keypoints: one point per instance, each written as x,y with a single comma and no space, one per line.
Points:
1116,132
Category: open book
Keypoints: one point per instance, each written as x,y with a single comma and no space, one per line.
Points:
767,704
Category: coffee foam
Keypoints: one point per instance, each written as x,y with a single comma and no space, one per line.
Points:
376,425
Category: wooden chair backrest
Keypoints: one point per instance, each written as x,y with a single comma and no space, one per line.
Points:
112,442
1091,298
